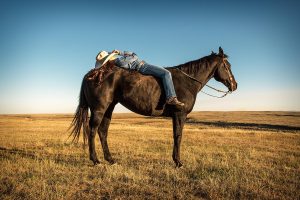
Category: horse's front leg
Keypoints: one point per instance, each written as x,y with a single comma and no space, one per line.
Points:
178,119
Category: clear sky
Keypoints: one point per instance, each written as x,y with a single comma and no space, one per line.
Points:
46,47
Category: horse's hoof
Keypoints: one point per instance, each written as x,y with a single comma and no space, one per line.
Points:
112,162
179,165
97,162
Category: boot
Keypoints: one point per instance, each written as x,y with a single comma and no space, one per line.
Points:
174,101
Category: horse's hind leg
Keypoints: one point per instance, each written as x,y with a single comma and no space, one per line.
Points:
102,132
95,120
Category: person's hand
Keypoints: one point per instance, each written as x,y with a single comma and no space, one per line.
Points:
116,51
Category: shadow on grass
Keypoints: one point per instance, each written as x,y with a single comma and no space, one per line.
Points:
240,125
59,159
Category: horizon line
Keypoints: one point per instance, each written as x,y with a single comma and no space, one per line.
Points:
155,116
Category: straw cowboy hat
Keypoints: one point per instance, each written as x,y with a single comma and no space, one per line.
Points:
103,57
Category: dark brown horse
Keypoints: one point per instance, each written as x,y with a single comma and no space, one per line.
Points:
145,95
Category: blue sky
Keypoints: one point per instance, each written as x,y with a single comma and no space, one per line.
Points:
46,47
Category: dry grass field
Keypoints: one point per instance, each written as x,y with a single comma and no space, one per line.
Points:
226,155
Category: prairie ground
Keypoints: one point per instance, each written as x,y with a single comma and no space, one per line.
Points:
226,155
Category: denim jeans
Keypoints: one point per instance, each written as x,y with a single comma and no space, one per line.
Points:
161,73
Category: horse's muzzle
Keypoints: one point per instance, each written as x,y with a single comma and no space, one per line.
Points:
233,86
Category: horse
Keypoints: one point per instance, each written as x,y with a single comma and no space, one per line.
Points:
145,95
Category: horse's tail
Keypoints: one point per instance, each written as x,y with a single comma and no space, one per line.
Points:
80,118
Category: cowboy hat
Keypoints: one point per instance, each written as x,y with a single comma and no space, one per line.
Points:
103,57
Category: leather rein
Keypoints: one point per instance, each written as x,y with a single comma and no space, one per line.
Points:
221,91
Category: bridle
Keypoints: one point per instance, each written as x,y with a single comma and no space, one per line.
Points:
221,91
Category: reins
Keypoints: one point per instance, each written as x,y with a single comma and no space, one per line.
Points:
221,91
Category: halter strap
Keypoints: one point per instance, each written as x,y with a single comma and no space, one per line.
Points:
190,76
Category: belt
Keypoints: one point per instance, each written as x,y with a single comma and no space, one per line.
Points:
138,67
142,63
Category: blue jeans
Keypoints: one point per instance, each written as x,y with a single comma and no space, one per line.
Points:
161,73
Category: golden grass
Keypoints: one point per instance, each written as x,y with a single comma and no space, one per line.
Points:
226,155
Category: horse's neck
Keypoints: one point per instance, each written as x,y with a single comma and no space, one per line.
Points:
201,70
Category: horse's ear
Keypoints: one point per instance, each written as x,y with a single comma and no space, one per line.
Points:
212,53
221,53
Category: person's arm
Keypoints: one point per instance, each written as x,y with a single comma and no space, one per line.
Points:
124,53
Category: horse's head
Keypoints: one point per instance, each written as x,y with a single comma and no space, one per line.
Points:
223,71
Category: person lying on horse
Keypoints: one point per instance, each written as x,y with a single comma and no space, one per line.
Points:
130,61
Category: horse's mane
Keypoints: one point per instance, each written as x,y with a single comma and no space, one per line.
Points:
195,65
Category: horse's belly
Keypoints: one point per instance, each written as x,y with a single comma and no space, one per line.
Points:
143,95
